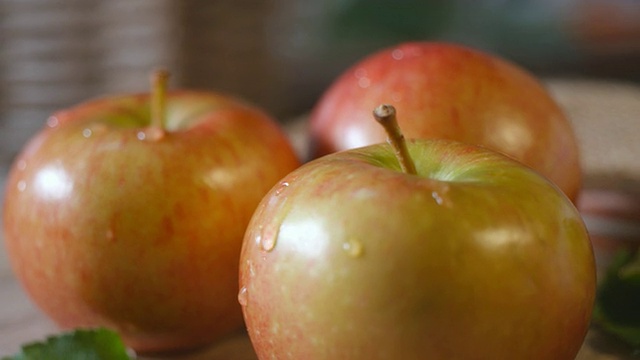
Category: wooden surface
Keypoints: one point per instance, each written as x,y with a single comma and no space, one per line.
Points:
606,118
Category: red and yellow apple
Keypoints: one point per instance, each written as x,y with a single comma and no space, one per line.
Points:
451,92
475,256
113,220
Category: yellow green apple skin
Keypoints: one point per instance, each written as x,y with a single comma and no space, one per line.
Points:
451,92
475,257
111,221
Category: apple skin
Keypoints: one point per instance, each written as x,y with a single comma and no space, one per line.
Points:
142,235
477,256
451,92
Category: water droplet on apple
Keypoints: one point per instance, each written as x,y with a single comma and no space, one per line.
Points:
269,237
268,243
243,296
282,187
439,200
397,54
22,185
364,82
21,165
353,248
141,135
52,121
87,133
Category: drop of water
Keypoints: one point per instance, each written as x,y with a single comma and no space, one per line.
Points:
397,54
243,296
268,243
439,200
364,82
141,135
269,237
353,248
52,121
87,133
282,187
22,185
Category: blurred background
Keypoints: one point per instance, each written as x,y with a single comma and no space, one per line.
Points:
279,54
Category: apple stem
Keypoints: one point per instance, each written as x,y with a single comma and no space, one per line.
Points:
159,81
386,116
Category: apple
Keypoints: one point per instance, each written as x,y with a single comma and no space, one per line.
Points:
129,212
473,256
451,92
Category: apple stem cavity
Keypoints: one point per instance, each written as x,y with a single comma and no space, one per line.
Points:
385,115
159,81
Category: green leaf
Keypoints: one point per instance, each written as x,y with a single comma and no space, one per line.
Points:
82,344
617,308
